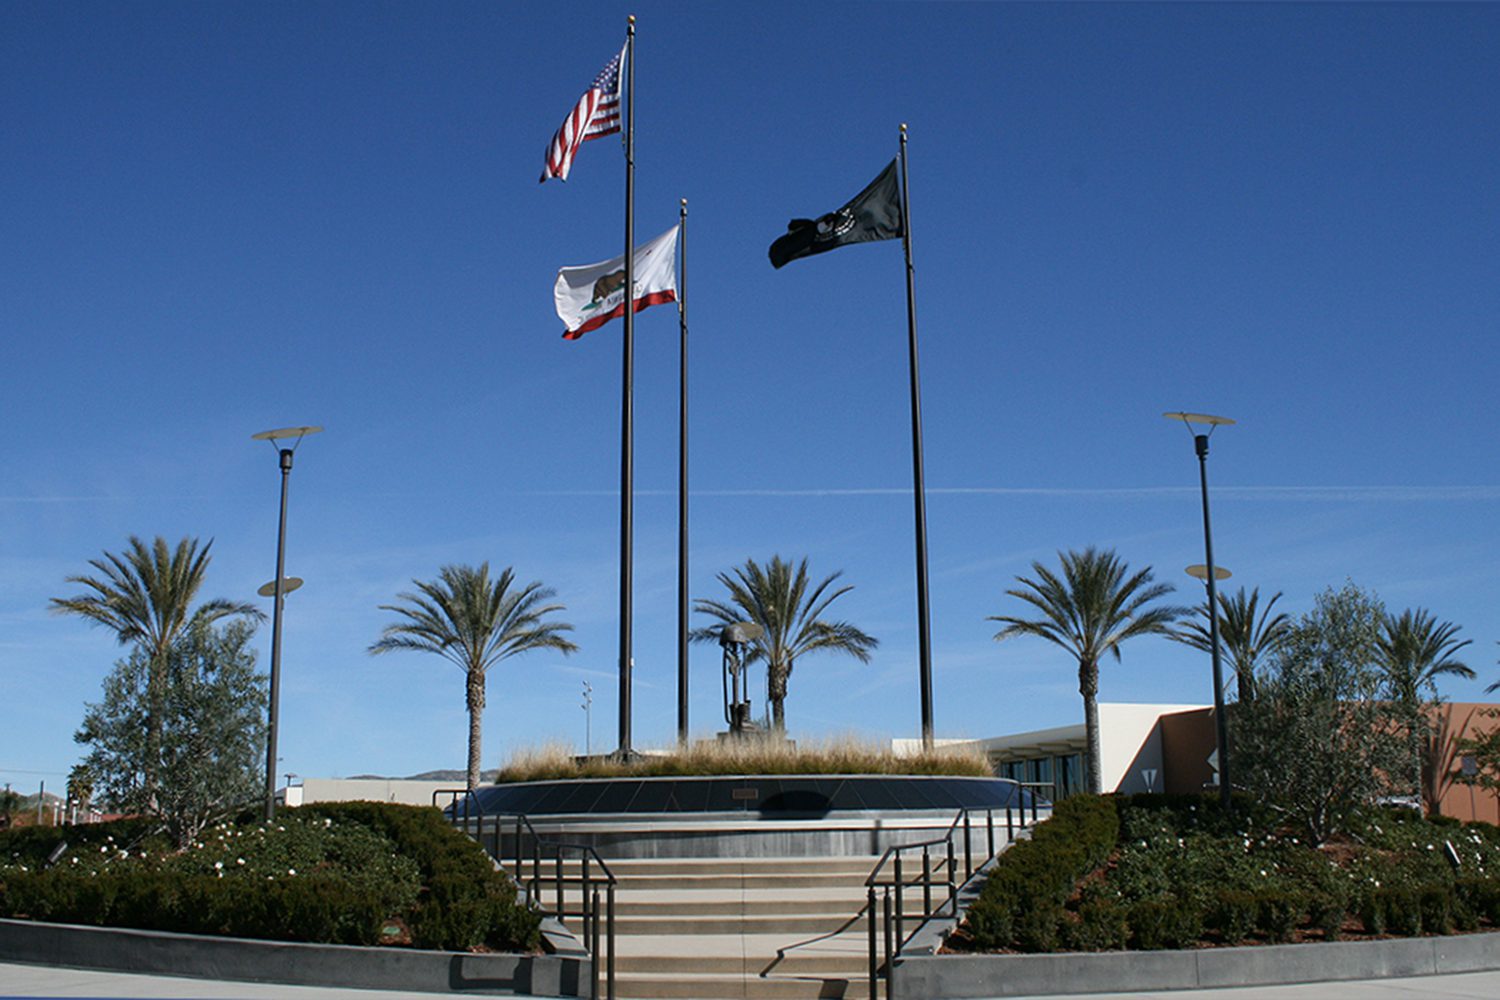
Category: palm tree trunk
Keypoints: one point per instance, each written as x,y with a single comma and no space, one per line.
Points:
776,695
156,697
476,716
1088,686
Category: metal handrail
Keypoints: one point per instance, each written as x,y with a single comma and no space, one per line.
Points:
559,853
893,904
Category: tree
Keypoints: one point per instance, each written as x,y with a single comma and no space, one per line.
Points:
145,597
780,599
1245,637
465,617
1415,650
1090,611
80,788
1319,741
207,755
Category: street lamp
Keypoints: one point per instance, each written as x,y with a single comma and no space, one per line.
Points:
1209,577
1199,572
278,590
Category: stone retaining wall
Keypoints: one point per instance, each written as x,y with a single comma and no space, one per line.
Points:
244,960
944,976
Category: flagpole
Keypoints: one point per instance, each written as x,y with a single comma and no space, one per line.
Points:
627,405
919,490
682,490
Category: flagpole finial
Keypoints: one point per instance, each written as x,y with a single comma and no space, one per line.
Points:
903,128
684,203
631,19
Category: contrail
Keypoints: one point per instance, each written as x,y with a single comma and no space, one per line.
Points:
1324,494
1292,494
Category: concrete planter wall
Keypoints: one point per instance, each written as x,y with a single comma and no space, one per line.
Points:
955,976
241,959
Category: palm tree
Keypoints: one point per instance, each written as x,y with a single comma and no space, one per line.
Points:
475,622
80,789
778,598
1245,637
1089,611
1415,649
145,595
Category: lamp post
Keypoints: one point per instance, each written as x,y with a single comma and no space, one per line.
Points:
1221,726
588,719
278,590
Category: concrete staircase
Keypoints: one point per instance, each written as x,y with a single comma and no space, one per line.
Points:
709,928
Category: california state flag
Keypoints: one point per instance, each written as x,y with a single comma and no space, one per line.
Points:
589,296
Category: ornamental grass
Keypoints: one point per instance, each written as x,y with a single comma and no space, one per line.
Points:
839,756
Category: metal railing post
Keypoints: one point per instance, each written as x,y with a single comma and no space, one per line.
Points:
968,850
900,892
874,957
926,884
594,951
559,871
585,867
952,878
890,948
1010,826
520,862
989,827
610,917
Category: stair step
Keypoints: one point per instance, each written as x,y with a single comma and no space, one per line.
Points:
792,925
791,880
794,963
860,864
736,987
826,904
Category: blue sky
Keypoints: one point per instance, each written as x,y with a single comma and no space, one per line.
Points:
222,218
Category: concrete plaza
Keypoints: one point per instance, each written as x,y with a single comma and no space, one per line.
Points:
39,981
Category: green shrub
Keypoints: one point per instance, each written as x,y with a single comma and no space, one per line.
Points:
1022,902
1481,896
331,873
1039,928
1278,914
1436,906
1234,915
1372,912
1164,923
1101,926
1403,911
1326,912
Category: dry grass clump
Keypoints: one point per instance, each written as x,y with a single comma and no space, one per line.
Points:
844,755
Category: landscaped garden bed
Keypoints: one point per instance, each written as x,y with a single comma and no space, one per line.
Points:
1152,872
339,873
759,756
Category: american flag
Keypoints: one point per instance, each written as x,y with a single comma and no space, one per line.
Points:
596,114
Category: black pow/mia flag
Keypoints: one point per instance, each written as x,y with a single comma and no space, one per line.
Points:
873,214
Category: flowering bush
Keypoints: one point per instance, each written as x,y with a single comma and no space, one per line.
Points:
335,873
1180,872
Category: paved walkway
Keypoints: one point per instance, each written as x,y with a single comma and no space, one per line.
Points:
40,981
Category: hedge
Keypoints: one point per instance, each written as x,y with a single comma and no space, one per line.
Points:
1022,903
1049,893
458,902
